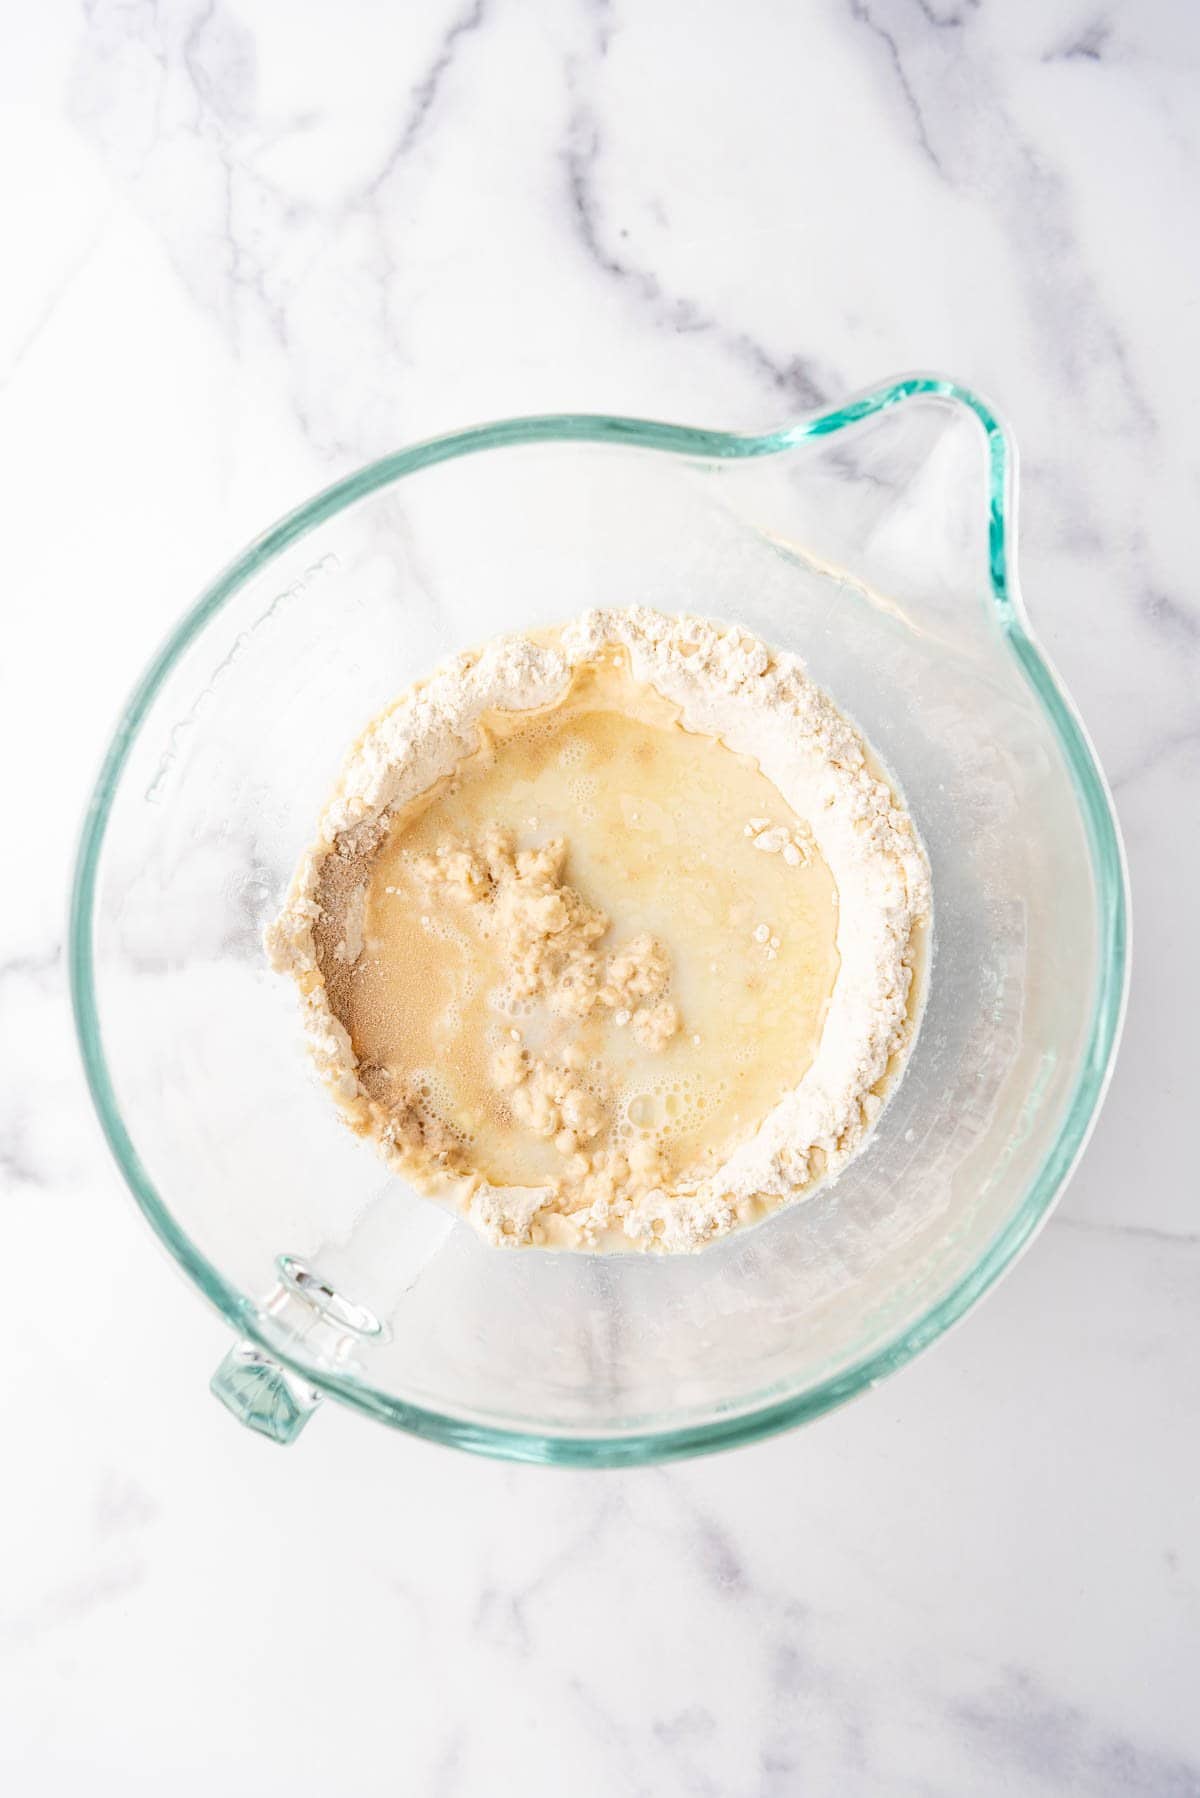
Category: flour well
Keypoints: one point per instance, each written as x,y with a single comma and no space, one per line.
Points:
609,937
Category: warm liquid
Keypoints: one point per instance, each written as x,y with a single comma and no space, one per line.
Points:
655,821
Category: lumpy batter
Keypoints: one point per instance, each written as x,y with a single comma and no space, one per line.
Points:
595,956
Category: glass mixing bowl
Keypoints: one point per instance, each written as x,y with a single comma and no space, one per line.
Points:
877,541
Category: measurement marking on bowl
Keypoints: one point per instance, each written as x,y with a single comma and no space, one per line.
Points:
326,564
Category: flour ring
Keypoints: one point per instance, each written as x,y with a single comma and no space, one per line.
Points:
760,703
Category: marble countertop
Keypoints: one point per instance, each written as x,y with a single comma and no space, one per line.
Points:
251,245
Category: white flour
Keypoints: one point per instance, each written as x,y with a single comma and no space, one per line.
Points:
760,703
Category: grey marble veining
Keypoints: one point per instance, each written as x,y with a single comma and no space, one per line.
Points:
250,247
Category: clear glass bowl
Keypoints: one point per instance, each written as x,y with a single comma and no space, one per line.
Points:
877,541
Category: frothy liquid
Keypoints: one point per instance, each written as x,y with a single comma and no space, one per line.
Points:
670,835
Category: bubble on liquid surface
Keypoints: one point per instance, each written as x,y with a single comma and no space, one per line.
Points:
435,1093
572,752
584,790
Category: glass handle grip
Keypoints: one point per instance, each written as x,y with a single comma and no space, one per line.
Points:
262,1394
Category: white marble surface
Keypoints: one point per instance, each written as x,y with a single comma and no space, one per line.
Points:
250,244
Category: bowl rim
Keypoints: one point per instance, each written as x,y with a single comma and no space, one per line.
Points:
1102,833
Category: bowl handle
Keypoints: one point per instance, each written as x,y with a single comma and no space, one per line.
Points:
264,1395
